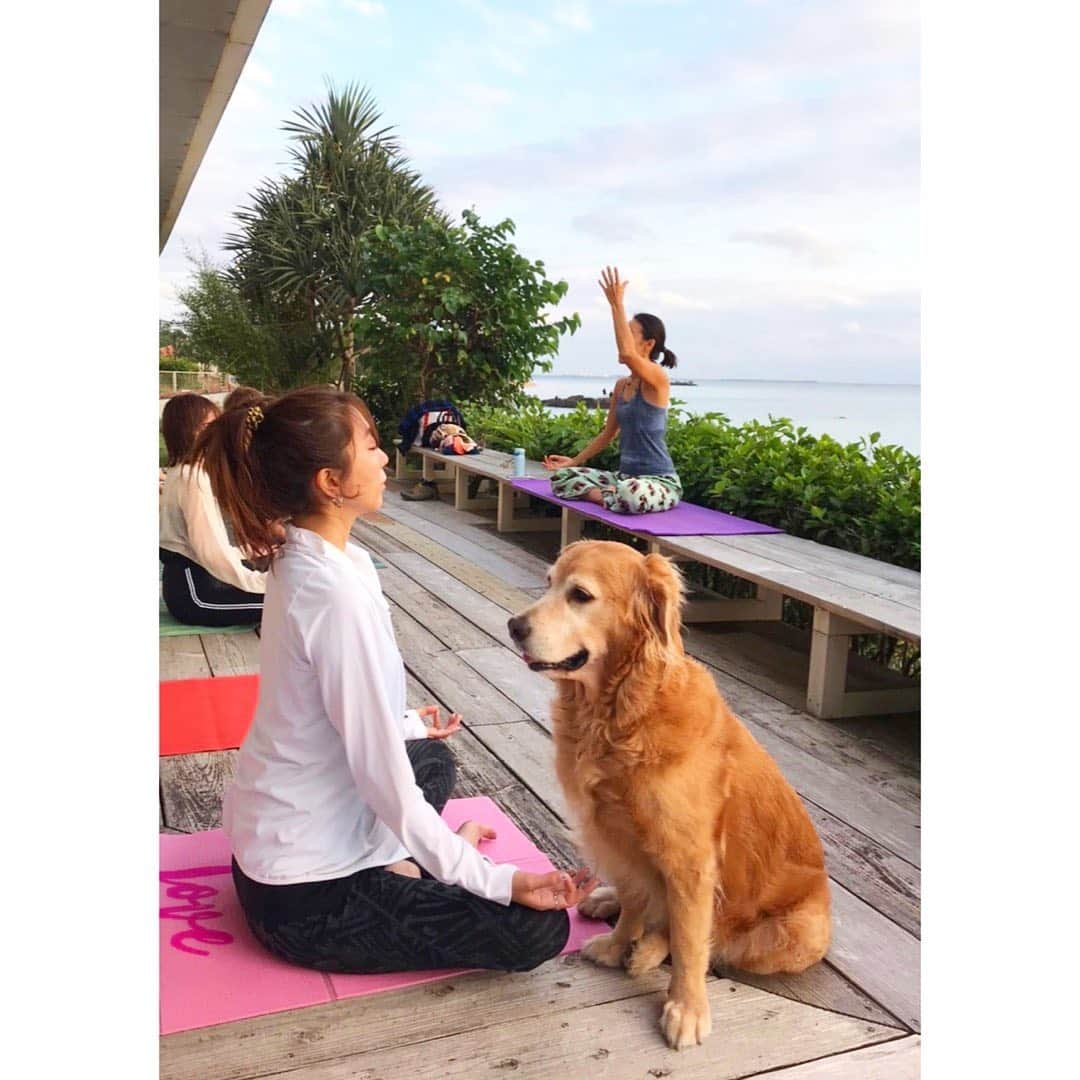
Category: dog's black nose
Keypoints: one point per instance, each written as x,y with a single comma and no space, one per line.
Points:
519,628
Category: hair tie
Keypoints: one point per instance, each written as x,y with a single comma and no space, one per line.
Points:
254,418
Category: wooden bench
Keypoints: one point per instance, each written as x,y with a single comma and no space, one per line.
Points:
486,465
851,594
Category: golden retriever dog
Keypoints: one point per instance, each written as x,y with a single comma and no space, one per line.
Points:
711,853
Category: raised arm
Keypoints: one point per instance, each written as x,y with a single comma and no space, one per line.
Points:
634,354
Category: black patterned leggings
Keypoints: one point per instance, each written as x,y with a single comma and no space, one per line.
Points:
376,921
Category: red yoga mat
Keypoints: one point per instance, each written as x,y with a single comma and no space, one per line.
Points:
205,714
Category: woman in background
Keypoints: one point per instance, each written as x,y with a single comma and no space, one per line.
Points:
646,480
204,580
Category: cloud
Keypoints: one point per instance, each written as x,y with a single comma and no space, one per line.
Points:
484,96
256,73
574,16
611,226
795,241
368,8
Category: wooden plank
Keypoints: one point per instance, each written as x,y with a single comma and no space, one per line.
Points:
479,529
821,986
481,773
863,762
467,601
894,1060
475,1003
890,766
192,787
895,828
526,750
848,567
494,587
182,657
502,565
433,614
881,958
888,883
506,670
452,680
232,654
756,1031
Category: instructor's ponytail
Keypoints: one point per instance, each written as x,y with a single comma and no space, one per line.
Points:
261,460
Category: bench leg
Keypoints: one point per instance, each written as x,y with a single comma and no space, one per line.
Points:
830,644
463,500
507,521
571,527
827,696
402,469
436,470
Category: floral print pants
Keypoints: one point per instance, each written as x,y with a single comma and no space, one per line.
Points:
622,494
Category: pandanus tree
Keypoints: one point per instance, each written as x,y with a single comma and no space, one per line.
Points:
299,247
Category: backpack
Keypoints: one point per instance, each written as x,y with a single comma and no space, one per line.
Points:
425,417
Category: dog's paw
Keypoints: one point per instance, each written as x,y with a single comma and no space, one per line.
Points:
604,950
602,903
685,1024
647,953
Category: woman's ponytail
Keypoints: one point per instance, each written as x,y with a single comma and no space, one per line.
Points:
670,359
227,451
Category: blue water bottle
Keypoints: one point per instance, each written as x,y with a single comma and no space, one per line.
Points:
519,461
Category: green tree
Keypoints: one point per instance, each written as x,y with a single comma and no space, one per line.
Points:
454,311
246,338
298,252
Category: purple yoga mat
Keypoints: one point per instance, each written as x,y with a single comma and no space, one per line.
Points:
686,519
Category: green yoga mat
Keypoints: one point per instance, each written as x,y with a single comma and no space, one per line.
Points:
169,627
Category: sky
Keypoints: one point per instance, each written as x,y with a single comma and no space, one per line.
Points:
751,166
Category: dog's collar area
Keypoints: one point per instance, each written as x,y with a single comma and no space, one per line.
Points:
571,663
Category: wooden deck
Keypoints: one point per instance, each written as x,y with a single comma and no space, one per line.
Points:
452,581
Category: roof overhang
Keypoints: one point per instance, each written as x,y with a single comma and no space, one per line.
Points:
204,45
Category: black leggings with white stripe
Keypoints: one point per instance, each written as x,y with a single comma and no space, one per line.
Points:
197,598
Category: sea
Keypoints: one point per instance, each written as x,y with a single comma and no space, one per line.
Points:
846,411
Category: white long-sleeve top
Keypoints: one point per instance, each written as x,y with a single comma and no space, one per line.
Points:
190,523
323,784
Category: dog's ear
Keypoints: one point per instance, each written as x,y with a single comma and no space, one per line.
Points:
665,591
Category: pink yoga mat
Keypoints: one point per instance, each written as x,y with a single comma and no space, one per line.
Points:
213,971
687,519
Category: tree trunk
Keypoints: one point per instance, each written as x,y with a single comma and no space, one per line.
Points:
348,352
348,360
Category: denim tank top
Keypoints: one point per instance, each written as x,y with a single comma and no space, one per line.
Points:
642,442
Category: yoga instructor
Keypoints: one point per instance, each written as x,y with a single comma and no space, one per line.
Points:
646,480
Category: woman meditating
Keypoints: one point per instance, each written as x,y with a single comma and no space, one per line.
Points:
338,787
646,480
204,581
